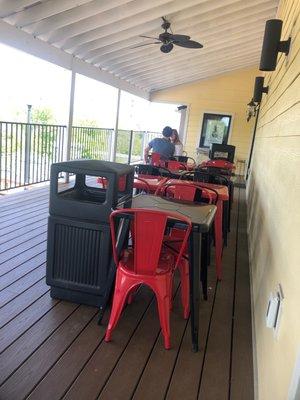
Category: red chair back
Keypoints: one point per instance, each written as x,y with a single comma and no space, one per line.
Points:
176,165
145,185
148,231
219,164
121,185
156,160
185,191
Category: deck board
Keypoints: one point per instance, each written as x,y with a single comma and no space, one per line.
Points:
242,384
51,349
218,350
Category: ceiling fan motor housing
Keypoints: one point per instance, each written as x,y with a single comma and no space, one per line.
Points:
166,48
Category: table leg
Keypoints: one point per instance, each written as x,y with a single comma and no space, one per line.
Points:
195,263
218,238
230,189
204,263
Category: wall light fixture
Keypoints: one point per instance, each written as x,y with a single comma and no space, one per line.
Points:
259,89
272,45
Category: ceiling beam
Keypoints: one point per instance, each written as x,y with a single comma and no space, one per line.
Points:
16,38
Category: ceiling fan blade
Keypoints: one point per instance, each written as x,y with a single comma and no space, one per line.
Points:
149,37
179,38
144,44
189,44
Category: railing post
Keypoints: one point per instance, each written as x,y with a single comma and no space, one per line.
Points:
144,144
67,151
130,147
113,149
27,146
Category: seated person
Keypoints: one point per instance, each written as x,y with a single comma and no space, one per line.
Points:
163,145
178,145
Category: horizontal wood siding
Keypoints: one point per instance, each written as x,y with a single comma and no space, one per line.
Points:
274,214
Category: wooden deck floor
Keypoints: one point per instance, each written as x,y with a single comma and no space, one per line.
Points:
51,349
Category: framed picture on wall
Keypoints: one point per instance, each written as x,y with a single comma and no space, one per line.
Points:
215,129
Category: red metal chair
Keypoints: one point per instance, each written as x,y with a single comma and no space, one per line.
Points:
223,164
142,184
176,166
146,263
156,160
122,182
188,192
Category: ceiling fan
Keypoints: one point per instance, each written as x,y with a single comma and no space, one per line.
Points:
167,39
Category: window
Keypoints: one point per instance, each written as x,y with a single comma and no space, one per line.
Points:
215,129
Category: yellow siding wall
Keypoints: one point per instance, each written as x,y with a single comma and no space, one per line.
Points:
274,215
228,93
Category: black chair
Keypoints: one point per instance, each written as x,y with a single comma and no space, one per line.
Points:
183,159
222,152
147,169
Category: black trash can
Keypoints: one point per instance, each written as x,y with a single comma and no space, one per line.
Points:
79,260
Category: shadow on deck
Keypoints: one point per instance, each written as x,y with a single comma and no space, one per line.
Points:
51,349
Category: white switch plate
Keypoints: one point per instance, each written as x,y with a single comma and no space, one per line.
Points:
274,310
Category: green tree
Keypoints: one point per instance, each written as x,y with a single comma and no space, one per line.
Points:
47,135
42,116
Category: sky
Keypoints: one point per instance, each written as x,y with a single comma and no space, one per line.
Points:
25,79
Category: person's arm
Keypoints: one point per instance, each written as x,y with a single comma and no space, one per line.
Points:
146,151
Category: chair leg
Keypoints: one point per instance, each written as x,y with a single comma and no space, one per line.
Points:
163,304
171,293
185,287
132,293
122,288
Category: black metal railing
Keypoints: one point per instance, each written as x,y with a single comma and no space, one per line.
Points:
91,143
131,144
27,152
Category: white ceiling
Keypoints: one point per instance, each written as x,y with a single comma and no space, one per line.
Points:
103,33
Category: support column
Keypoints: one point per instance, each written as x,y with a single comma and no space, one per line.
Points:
183,123
70,123
113,148
27,146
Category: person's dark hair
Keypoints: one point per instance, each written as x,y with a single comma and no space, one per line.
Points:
167,131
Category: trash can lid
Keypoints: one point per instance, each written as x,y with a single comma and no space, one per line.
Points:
94,167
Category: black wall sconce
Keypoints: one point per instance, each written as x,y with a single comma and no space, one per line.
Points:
259,89
272,45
